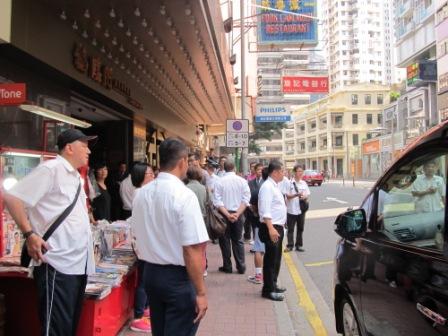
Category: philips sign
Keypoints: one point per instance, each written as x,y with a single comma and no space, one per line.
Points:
272,113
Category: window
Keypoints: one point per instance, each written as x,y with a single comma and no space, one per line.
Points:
354,99
354,119
379,99
406,213
369,119
380,119
355,139
338,140
368,99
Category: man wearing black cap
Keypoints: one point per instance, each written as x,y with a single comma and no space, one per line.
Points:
62,263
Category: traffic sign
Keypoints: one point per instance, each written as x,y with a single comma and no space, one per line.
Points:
237,133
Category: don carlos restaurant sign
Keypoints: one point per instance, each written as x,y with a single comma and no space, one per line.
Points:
95,69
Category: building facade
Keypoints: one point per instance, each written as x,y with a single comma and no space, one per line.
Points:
442,57
328,134
358,39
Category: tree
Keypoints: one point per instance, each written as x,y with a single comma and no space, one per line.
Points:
263,131
394,95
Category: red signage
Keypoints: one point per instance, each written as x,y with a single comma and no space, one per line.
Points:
305,84
12,93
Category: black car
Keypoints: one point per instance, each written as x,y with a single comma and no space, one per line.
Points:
391,265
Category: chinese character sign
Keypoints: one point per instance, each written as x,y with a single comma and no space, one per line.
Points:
277,22
305,84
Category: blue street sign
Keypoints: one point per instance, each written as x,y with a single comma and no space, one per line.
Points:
281,118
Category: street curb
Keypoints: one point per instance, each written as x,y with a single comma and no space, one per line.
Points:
322,308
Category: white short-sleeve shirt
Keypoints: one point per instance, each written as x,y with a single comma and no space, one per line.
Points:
271,203
293,204
165,217
46,192
430,202
230,191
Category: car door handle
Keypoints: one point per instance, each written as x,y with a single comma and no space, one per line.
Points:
433,316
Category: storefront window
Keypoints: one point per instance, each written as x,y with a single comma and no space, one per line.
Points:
20,129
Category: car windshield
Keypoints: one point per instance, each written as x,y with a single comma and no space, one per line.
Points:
311,172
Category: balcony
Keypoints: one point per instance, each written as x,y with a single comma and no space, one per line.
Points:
289,152
403,9
422,13
311,149
404,29
337,125
323,147
289,135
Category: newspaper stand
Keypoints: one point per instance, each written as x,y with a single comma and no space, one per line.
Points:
98,317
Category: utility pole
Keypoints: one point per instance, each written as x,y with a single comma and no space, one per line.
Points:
244,151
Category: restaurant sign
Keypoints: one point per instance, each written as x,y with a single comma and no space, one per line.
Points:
101,73
12,93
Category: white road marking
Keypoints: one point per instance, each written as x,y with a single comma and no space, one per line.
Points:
334,199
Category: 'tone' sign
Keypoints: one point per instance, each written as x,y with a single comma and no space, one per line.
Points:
12,93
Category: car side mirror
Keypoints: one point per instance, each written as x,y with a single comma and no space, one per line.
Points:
351,224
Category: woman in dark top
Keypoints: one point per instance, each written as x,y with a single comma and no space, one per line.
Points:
102,202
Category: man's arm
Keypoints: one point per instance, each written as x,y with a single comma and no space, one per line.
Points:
194,262
35,244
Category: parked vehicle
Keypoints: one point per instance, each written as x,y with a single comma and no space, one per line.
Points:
313,177
391,264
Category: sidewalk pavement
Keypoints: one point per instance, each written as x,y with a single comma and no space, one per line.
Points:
235,306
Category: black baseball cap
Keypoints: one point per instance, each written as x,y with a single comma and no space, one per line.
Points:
71,135
212,163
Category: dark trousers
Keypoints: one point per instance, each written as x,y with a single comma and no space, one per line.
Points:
247,224
272,257
290,225
233,238
172,300
60,299
140,299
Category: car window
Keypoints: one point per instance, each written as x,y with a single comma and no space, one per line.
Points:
411,202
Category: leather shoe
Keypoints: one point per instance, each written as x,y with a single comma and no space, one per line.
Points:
288,249
273,296
242,270
279,289
225,270
300,249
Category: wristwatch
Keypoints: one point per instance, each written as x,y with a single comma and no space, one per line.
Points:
27,234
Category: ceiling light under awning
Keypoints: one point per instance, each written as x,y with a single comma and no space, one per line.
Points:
54,115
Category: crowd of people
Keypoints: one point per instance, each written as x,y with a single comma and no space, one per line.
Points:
167,211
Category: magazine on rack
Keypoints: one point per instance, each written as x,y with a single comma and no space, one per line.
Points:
97,290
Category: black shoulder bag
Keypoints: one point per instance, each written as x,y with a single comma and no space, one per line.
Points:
25,257
304,205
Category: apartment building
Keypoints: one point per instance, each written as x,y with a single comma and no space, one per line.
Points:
442,56
358,37
328,134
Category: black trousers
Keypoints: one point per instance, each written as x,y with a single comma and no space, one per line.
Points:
247,224
172,300
290,225
60,300
233,239
272,257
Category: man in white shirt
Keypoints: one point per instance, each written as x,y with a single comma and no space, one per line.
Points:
63,262
171,238
298,191
232,196
272,211
127,193
429,189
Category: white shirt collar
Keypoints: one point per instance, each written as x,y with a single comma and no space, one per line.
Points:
169,176
272,181
229,173
67,165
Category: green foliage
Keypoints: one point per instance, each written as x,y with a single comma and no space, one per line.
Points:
394,95
263,131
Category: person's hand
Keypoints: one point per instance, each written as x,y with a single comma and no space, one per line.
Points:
431,190
274,235
233,217
201,307
36,247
